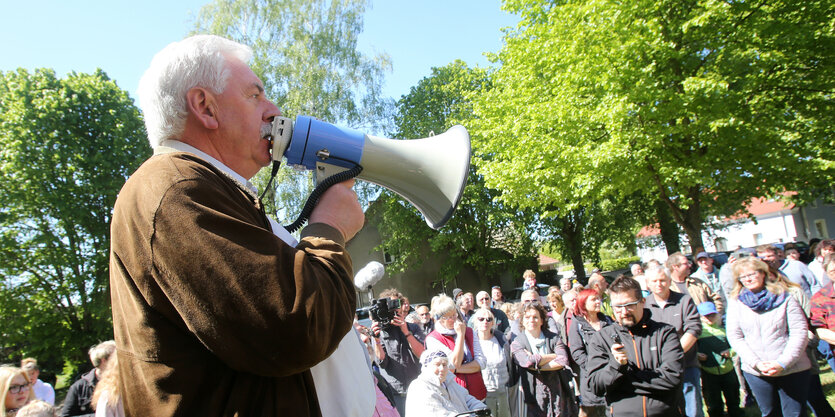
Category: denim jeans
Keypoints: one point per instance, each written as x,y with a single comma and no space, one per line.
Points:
692,388
780,395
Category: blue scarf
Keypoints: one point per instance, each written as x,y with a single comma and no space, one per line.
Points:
762,301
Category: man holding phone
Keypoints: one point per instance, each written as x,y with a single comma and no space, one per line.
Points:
638,363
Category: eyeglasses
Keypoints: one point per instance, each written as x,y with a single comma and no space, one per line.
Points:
627,306
749,276
17,389
452,317
484,299
487,319
424,314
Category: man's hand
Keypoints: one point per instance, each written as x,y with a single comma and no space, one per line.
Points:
339,208
375,329
619,353
400,322
702,357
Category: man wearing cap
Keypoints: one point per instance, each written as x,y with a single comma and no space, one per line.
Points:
707,272
700,291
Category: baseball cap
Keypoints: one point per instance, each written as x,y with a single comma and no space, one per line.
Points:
702,255
707,308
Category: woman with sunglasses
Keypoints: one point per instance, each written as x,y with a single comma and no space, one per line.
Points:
496,373
16,388
767,328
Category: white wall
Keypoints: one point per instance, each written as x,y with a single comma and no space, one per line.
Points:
771,228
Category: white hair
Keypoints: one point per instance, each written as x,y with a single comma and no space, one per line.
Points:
656,271
195,61
441,306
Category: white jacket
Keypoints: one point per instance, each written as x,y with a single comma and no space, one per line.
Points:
779,334
426,398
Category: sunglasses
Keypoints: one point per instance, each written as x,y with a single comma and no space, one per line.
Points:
488,319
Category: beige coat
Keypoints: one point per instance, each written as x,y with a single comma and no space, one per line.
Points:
213,314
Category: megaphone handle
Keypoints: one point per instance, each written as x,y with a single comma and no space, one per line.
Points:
317,193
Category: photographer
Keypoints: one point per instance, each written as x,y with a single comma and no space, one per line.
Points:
399,349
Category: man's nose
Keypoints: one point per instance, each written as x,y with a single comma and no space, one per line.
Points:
272,112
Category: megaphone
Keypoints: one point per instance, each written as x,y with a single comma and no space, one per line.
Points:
429,173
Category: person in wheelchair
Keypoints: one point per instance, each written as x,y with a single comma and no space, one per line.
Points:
436,394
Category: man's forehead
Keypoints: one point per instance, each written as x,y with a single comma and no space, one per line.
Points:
623,297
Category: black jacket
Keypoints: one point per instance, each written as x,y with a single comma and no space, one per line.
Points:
80,395
579,337
650,383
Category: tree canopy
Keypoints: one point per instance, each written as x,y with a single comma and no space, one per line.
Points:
704,104
306,54
68,145
483,234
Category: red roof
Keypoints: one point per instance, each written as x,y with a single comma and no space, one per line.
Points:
757,207
546,260
760,206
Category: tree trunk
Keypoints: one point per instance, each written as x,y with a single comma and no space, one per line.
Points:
669,228
572,234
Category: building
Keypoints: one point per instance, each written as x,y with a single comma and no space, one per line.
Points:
774,221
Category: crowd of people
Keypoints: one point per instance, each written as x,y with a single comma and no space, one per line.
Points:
662,340
95,393
210,337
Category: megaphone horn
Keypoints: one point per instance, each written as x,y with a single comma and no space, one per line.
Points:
430,173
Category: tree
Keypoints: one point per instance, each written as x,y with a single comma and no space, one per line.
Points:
707,104
483,234
68,146
306,54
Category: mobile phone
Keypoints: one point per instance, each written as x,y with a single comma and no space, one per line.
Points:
616,339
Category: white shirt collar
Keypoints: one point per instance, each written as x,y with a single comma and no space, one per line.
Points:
185,147
176,145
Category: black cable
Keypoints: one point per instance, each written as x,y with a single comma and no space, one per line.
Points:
276,165
317,193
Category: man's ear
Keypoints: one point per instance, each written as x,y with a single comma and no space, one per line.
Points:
202,105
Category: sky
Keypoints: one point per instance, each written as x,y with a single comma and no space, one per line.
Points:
121,37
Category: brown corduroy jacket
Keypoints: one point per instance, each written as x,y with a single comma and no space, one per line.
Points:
213,314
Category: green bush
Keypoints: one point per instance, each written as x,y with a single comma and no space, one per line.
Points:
619,263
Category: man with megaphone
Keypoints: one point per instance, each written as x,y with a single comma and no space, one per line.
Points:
217,310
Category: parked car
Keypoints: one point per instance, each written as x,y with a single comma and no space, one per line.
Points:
719,259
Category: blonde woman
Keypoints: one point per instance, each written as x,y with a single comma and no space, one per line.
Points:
106,399
16,390
767,328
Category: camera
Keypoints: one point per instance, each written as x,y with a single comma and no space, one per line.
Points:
383,310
